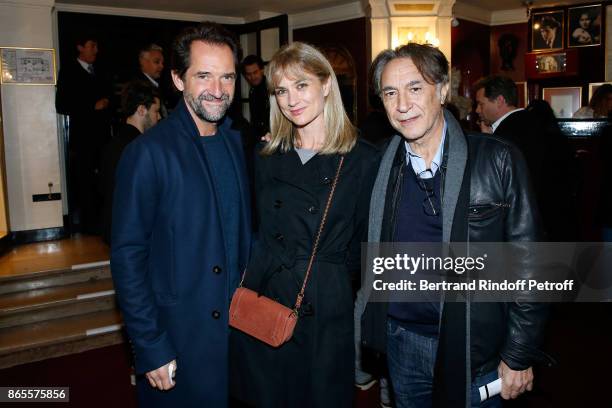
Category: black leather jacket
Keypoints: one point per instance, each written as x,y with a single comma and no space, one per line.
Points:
502,208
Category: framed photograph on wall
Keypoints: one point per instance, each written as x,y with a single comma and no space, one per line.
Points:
541,65
27,66
564,101
551,63
547,30
593,87
584,26
521,88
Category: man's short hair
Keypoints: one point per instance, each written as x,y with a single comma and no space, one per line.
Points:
429,60
208,32
149,48
252,59
550,22
137,93
82,38
496,85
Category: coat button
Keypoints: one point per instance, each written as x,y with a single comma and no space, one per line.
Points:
217,269
216,314
326,180
278,203
312,209
279,236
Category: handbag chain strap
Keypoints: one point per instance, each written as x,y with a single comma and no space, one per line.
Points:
300,296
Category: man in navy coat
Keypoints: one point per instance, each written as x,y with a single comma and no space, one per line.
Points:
180,233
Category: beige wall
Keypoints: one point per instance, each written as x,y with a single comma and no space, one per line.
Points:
30,126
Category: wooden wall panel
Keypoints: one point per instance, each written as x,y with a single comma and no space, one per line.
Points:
350,34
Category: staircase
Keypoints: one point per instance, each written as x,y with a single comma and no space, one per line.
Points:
57,312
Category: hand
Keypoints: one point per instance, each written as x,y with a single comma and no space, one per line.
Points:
485,128
266,138
514,383
101,104
159,378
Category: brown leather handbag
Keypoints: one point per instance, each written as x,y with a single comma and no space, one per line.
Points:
262,317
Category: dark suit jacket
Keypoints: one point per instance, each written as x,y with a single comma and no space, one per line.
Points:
549,161
164,108
259,108
77,94
108,165
169,262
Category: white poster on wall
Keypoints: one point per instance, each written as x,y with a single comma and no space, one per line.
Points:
562,105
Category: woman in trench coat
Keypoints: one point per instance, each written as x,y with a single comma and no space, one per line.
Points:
310,132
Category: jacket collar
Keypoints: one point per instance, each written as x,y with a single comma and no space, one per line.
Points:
322,170
453,164
232,139
454,161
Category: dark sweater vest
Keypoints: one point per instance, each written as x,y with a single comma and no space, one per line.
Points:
412,224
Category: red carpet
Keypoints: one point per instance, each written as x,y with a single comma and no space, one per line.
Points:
97,378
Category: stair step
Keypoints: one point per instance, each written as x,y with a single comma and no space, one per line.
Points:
56,302
61,349
53,333
77,274
52,255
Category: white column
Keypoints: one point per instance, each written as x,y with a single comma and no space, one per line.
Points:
389,22
30,126
381,35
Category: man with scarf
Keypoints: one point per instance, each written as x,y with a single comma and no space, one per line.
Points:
437,184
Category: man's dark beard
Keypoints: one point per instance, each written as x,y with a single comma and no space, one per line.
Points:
198,109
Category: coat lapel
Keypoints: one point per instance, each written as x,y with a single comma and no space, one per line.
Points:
233,143
234,146
454,162
312,177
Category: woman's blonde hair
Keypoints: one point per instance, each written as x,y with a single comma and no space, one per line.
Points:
294,60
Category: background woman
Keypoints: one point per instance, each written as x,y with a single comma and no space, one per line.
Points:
599,106
310,131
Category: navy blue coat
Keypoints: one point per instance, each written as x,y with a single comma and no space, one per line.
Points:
169,261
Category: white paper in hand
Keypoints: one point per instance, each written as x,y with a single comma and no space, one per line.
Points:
490,390
171,372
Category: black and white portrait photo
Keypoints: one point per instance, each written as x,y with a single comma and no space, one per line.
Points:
584,26
547,31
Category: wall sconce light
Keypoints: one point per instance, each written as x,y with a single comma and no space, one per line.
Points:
429,39
415,34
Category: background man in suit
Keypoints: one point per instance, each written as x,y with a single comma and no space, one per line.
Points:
259,104
181,230
496,100
140,102
151,61
83,93
539,139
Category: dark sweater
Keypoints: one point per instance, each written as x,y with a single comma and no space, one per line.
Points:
413,224
228,193
108,165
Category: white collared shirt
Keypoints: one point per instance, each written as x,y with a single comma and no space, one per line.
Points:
418,163
85,65
154,82
498,121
